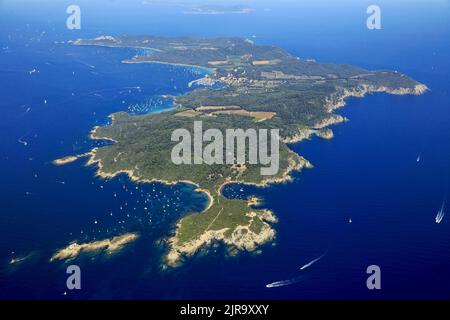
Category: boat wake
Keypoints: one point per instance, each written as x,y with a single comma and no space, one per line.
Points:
284,282
23,142
294,280
440,215
309,264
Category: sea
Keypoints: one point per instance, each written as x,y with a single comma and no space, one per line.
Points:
371,198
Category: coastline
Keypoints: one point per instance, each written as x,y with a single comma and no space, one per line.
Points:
338,101
209,70
78,42
242,237
363,90
251,240
177,251
109,245
69,159
237,240
247,240
92,161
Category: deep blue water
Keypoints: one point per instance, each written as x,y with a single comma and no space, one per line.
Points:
368,172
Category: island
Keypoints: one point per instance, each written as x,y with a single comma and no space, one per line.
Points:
109,246
246,86
218,9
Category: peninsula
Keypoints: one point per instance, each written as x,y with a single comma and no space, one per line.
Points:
258,86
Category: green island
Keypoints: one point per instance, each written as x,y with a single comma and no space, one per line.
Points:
258,86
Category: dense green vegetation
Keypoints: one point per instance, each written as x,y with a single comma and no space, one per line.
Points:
144,146
255,78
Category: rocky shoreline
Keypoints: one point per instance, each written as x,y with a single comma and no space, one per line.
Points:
108,246
338,100
242,238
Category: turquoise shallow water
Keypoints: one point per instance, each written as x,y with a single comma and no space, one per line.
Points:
368,172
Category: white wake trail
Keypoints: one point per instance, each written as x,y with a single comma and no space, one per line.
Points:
309,264
284,282
440,215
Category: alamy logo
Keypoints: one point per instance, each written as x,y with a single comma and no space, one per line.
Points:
374,20
74,280
237,142
374,280
74,20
